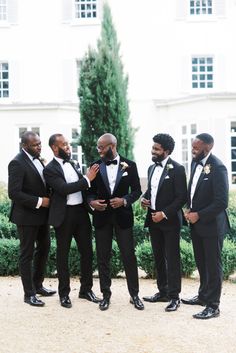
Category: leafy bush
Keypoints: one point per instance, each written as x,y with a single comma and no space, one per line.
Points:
5,206
185,233
7,229
188,264
140,233
139,213
145,258
116,261
9,249
228,258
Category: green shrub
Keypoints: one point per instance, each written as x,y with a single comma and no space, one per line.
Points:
188,264
185,233
116,261
228,258
145,258
140,233
7,229
5,206
139,213
9,250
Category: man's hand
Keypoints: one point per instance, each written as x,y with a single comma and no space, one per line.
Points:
117,202
45,202
98,205
157,217
145,203
191,217
92,172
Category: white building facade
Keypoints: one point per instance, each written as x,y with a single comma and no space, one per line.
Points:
179,56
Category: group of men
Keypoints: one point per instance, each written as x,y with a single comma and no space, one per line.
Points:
59,195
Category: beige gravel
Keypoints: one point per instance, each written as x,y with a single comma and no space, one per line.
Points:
121,329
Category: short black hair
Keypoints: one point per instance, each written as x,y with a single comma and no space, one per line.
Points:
26,136
166,141
53,138
206,138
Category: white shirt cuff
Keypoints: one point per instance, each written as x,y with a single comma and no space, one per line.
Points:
88,181
40,201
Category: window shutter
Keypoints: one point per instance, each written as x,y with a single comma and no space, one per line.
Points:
181,9
14,81
67,10
12,11
219,8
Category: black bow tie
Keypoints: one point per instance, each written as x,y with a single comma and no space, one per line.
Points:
67,161
111,162
200,163
35,158
159,163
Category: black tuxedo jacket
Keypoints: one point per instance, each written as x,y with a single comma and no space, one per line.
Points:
171,194
210,199
25,186
127,186
55,178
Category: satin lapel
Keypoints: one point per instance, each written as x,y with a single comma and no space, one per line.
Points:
202,176
103,172
193,167
32,166
150,174
163,175
58,167
119,176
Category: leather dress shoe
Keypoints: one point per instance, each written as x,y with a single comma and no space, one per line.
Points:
193,301
104,304
90,296
137,302
156,298
66,302
207,313
173,305
33,300
44,292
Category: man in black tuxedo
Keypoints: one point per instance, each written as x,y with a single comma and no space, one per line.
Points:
69,216
30,201
207,203
112,193
166,194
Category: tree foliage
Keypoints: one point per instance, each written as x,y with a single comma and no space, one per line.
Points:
103,94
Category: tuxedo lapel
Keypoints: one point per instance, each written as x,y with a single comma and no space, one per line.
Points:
32,167
119,175
103,172
163,175
203,175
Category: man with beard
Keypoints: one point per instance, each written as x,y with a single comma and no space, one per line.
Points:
112,193
165,195
69,217
207,203
30,201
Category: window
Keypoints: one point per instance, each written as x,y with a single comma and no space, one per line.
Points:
86,8
202,72
188,134
23,129
233,152
4,80
74,144
200,7
3,10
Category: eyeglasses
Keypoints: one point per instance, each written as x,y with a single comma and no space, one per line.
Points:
101,148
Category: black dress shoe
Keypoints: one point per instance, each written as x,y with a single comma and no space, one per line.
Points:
173,305
137,302
66,302
89,296
156,298
193,301
207,313
44,292
104,304
33,300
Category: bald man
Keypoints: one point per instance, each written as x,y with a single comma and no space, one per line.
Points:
111,195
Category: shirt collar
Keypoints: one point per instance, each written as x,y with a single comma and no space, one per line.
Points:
29,155
59,160
205,159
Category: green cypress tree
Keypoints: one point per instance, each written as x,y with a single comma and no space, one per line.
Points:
103,94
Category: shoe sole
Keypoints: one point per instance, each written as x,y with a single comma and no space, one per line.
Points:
206,318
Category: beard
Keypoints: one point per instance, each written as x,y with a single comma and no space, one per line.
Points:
109,156
33,153
199,157
158,158
63,155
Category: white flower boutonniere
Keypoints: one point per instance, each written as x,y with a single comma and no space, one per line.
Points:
124,165
42,160
207,169
169,166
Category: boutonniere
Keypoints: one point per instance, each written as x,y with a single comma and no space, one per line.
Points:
207,169
124,165
42,160
169,166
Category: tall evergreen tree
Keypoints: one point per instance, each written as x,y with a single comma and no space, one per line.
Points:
103,94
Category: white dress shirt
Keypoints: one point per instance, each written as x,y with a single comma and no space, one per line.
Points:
196,176
71,176
155,180
112,171
38,165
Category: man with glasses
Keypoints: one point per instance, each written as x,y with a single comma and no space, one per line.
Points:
111,195
30,201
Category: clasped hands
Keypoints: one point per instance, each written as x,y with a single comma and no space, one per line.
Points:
101,205
156,216
191,217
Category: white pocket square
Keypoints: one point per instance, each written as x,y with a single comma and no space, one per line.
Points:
167,177
205,179
124,174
